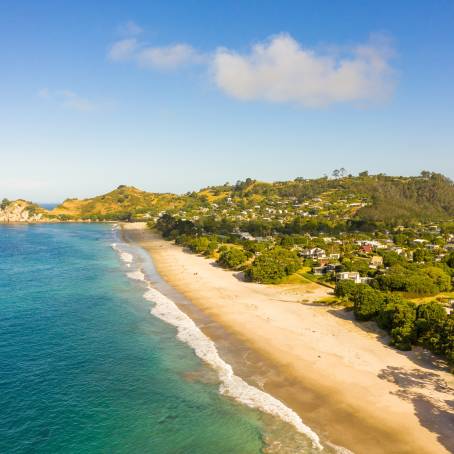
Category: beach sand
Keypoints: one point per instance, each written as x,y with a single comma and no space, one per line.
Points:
340,376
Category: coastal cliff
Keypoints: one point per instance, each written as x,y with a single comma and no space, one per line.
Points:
21,211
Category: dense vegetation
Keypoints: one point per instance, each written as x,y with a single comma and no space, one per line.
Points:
408,324
361,202
270,264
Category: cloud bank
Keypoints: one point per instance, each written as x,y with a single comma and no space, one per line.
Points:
281,70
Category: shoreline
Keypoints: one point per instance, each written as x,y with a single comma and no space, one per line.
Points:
333,373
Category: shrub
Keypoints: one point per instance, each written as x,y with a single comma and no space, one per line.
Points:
403,330
367,302
386,314
273,265
345,289
447,339
232,257
430,320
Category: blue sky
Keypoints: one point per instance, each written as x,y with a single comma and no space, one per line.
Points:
173,96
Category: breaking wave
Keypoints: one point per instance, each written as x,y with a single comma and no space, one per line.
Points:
231,385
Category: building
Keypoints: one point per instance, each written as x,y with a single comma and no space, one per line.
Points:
325,269
349,275
352,276
376,261
366,248
314,253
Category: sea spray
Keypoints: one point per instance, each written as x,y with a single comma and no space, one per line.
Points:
231,385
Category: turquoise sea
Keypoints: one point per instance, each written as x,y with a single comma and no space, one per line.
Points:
85,367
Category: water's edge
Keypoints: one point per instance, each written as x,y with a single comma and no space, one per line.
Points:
189,333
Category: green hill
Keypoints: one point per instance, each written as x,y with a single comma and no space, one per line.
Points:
125,202
358,200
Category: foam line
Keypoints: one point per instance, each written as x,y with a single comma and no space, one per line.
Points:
231,385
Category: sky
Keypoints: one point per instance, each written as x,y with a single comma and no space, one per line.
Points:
172,96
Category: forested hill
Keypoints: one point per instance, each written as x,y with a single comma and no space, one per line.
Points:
358,200
379,198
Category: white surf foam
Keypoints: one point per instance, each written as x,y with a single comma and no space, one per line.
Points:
125,256
136,275
231,385
339,449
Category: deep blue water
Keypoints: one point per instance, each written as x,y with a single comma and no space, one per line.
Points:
84,367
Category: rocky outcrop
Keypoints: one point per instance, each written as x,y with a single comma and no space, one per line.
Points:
21,211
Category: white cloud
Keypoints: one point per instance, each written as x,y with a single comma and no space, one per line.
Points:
68,99
281,70
164,57
123,50
168,57
130,28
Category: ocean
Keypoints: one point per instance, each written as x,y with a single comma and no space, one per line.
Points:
94,359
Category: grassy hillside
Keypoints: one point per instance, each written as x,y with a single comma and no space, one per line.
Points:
360,200
125,202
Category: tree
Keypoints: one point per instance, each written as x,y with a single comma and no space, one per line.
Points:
430,319
391,258
439,277
367,302
450,260
403,332
345,289
386,314
4,204
447,339
422,255
273,265
232,257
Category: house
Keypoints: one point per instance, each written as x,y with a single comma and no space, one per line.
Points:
319,270
349,275
328,268
323,261
333,267
398,250
366,248
334,256
376,261
352,276
314,253
246,236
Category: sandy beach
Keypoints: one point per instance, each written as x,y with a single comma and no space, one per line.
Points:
340,376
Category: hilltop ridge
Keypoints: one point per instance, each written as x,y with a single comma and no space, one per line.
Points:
360,200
